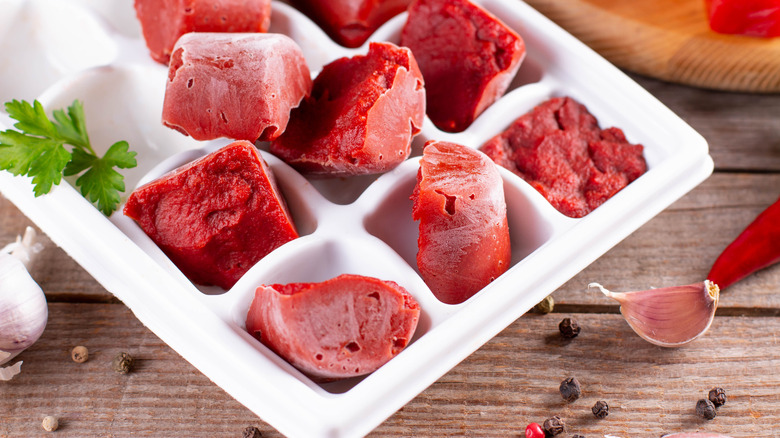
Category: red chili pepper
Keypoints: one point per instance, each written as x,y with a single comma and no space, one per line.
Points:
758,18
757,247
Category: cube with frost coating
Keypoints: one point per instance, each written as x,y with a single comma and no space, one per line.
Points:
361,116
238,86
347,326
463,243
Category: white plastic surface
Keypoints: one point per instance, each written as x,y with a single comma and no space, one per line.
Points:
360,225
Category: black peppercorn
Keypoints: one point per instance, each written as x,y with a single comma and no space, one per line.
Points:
569,328
717,396
252,432
705,409
600,409
577,436
123,363
554,426
570,389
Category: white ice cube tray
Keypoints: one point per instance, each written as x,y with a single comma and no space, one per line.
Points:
92,50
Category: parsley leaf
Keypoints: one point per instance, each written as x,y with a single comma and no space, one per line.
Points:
38,150
42,159
101,184
72,126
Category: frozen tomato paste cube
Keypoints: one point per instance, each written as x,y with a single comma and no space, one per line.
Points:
215,217
164,21
347,326
350,22
361,116
560,150
464,236
467,56
238,86
758,18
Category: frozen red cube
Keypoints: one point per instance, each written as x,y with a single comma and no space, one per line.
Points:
757,18
350,22
467,56
164,21
360,118
560,150
463,242
347,326
216,216
238,86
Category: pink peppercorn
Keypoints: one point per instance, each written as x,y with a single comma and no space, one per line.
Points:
534,430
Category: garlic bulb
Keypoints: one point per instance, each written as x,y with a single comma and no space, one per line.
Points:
670,316
23,309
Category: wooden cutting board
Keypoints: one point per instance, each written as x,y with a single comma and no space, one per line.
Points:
669,40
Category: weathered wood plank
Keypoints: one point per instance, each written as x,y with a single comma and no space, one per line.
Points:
514,380
742,129
679,246
509,382
163,395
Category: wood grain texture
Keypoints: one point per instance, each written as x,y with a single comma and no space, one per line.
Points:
678,247
670,40
742,129
509,382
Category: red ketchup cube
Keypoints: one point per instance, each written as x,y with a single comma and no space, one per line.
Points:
350,22
238,86
347,326
560,150
464,236
360,118
467,56
164,21
215,217
758,18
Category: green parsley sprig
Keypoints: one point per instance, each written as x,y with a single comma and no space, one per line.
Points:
38,149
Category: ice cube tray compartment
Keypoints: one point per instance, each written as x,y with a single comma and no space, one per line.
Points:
37,43
359,225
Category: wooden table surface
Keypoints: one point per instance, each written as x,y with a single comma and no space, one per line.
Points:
513,379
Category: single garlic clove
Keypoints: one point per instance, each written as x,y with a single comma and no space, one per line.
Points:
669,316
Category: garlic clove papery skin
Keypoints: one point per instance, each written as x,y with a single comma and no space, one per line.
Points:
23,308
25,248
670,316
8,373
